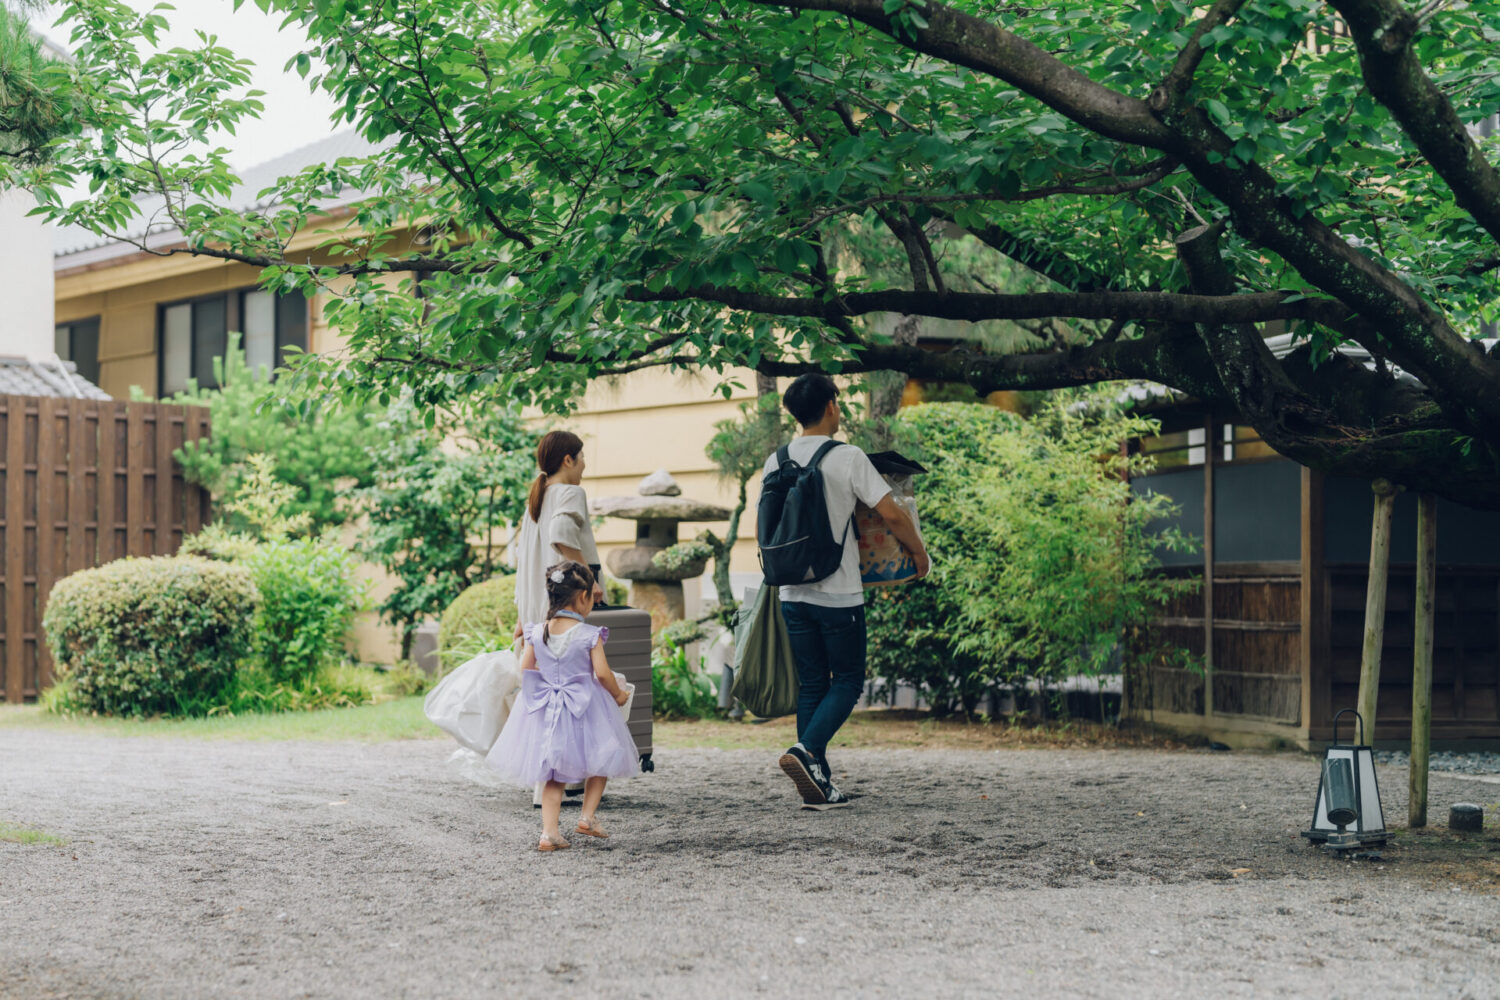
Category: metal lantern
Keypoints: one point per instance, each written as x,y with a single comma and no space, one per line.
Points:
1347,813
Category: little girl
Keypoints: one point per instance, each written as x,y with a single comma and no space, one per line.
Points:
566,727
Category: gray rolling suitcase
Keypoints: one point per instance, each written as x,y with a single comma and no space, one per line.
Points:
629,653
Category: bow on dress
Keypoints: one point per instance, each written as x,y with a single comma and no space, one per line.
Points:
554,697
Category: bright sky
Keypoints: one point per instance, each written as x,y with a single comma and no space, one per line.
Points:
293,117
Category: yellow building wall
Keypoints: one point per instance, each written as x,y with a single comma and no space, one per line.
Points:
631,425
655,419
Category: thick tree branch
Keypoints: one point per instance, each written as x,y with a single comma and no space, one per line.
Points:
1262,392
1418,336
1384,31
988,48
1258,307
1157,171
1410,330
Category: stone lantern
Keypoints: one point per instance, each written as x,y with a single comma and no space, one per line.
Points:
657,510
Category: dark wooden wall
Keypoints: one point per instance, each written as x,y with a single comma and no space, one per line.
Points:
1465,658
82,482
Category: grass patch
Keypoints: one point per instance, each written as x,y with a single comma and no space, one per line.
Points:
905,729
397,719
12,833
1468,861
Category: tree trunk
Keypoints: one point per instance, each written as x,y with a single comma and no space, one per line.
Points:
1380,560
887,387
1421,674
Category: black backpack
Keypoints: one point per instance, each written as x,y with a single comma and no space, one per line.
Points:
796,542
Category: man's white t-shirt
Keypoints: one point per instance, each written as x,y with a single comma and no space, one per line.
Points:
848,476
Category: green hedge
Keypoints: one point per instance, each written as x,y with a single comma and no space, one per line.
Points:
481,618
1044,558
149,636
309,596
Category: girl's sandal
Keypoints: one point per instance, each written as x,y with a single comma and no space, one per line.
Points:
592,828
549,843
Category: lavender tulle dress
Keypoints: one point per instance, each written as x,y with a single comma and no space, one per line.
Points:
565,726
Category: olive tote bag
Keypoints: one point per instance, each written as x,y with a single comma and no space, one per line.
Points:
765,675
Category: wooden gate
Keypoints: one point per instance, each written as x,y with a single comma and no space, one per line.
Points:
83,482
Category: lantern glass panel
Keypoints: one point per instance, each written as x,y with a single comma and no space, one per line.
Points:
1369,792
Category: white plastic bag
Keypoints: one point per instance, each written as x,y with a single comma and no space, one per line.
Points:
472,703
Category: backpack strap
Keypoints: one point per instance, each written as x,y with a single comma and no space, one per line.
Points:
783,456
816,460
823,449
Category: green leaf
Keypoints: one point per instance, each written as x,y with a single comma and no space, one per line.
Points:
759,193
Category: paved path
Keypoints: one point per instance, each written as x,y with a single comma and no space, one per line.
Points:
207,869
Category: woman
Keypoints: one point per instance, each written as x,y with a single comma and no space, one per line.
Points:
555,527
473,702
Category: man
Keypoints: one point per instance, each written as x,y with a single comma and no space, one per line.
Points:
826,618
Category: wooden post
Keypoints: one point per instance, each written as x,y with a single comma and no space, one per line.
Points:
50,503
167,514
1380,561
1316,668
14,507
135,479
107,536
1208,565
1421,672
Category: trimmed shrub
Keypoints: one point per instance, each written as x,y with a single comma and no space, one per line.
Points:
480,619
150,636
308,598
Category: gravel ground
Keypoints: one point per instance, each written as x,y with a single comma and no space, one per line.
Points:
207,869
1474,762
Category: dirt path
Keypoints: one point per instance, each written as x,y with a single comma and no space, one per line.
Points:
207,869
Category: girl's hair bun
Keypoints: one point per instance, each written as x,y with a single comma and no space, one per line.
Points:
565,580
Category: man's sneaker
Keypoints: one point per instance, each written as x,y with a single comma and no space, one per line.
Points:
832,799
806,774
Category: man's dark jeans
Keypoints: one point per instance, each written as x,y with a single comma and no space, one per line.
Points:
829,647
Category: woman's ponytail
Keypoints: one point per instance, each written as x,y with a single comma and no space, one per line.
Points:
538,492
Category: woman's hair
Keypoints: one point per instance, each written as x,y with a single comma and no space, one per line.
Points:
550,452
808,396
565,581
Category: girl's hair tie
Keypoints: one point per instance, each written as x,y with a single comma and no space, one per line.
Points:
557,576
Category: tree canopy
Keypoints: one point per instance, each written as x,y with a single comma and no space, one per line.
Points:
35,103
609,185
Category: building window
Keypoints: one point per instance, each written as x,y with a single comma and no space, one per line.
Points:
1242,443
1176,449
195,332
78,342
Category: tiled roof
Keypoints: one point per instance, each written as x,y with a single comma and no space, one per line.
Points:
28,377
75,245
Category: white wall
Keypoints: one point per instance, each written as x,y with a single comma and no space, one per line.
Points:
26,325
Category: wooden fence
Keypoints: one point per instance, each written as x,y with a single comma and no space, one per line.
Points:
1255,668
83,482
